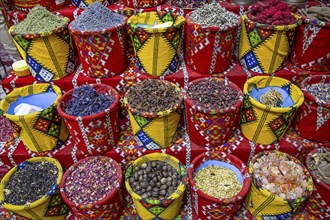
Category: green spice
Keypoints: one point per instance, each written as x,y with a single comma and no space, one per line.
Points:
217,181
39,20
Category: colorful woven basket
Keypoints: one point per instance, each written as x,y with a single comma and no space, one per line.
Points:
142,3
48,207
102,53
212,127
313,118
86,3
40,131
264,124
264,48
208,207
262,204
156,38
209,49
49,55
108,208
167,208
155,130
51,5
311,50
93,134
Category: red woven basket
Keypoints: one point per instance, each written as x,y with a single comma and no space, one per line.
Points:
94,134
108,208
142,3
208,207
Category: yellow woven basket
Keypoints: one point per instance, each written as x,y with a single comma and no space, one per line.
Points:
40,131
49,207
263,124
167,208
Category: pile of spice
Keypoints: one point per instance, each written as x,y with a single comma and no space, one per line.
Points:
217,181
30,182
91,181
87,101
321,92
154,180
280,176
272,98
212,94
214,15
153,95
39,20
321,13
97,17
320,165
274,12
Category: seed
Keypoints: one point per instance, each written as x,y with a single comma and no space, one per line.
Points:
144,165
321,92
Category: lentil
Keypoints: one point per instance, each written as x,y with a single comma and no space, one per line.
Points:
30,182
97,17
212,94
91,181
272,98
153,184
39,20
214,15
320,165
217,181
321,91
152,95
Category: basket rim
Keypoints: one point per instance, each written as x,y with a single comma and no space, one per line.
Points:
273,27
38,202
316,22
98,202
242,193
225,110
111,108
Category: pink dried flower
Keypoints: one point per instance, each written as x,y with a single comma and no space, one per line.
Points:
277,16
281,6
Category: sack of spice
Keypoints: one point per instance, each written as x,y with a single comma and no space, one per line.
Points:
269,106
318,164
310,50
212,109
31,189
91,187
40,127
211,36
154,108
44,42
156,183
100,37
219,183
91,114
313,121
266,36
156,38
86,3
280,184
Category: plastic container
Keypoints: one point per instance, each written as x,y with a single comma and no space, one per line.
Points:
262,204
110,207
156,38
21,68
93,134
312,121
108,47
208,207
209,49
264,124
48,207
49,55
42,130
167,208
212,127
155,130
265,48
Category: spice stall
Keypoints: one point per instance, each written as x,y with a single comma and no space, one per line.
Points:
169,130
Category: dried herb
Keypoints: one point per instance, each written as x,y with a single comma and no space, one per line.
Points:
321,92
272,98
30,182
152,95
320,165
91,181
97,17
154,180
321,13
212,94
87,101
39,20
